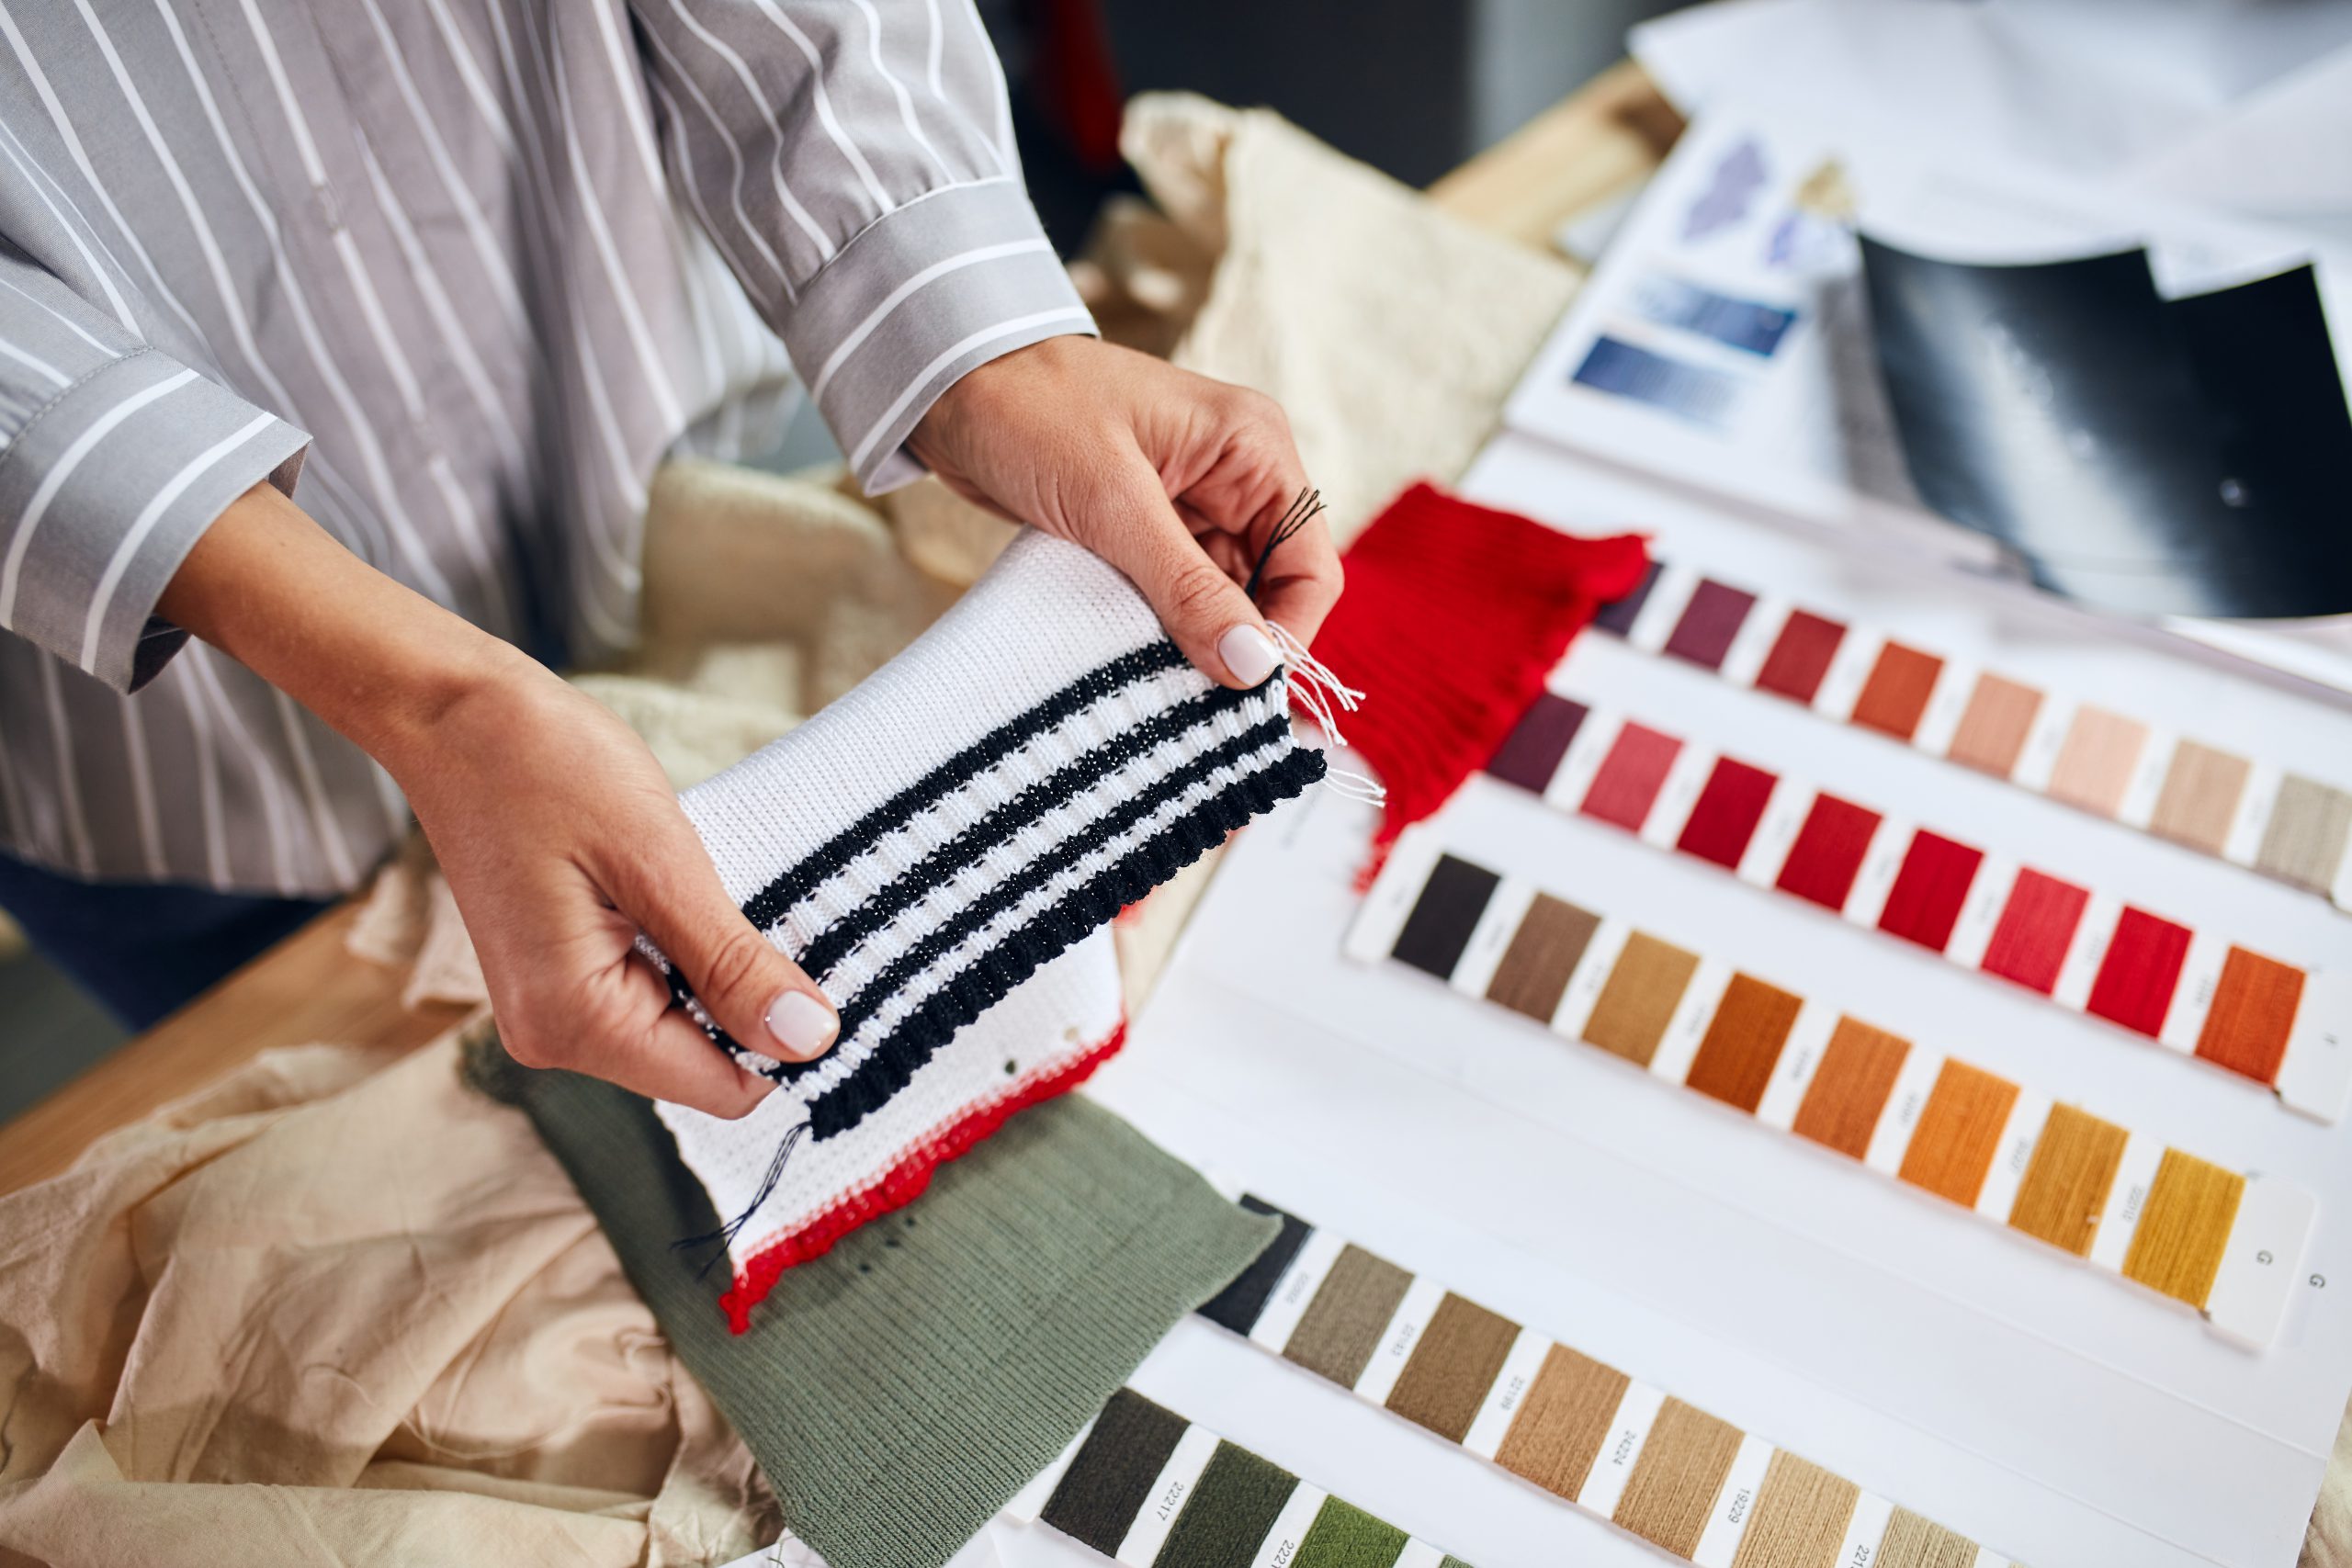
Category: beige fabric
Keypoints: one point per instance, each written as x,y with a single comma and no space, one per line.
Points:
373,1293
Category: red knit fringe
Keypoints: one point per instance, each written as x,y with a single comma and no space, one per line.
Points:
1453,615
902,1183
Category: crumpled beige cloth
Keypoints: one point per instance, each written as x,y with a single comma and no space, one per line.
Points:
341,1310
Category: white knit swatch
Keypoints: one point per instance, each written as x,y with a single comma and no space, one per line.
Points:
1041,757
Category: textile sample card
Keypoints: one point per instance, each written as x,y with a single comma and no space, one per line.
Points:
900,1387
1149,1489
935,843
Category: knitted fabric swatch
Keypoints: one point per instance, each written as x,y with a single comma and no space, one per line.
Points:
1047,1035
1453,615
1038,758
898,1390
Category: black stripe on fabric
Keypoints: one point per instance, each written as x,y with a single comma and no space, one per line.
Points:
774,901
1031,802
1022,953
1444,915
1109,1479
941,939
1239,1305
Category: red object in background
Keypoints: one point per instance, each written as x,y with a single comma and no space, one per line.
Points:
1075,82
1453,615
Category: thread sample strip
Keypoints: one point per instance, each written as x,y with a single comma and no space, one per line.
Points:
2229,1245
1684,1481
2285,1027
2241,809
1149,1489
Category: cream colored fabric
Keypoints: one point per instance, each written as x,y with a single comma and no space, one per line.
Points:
338,1310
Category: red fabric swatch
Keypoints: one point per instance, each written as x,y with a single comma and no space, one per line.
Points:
1453,616
1924,904
1726,817
2137,977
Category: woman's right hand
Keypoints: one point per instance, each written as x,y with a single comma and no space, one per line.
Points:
559,834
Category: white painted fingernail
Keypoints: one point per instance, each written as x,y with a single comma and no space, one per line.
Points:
1248,654
803,1025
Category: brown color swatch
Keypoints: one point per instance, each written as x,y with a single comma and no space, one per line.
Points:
1843,1102
1958,1133
1542,955
1683,1464
1994,726
1640,997
2304,843
1342,1327
2095,764
1563,1422
1897,692
2199,796
2253,1014
1452,1367
1802,1512
2183,1229
1735,1061
2066,1185
1913,1542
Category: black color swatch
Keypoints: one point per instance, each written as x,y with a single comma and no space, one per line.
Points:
1439,926
1109,1479
1237,1305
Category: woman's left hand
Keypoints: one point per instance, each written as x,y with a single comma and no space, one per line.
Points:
1176,479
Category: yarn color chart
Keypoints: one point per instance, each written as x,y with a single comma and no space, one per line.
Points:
2241,809
1689,1482
1149,1489
2190,991
2225,1244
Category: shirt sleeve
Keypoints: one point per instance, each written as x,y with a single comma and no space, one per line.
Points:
114,457
854,162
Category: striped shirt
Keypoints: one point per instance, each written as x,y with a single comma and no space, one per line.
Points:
456,273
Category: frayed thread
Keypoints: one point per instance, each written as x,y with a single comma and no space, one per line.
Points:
725,1234
1322,696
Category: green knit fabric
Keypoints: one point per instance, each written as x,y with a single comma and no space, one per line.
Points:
899,1389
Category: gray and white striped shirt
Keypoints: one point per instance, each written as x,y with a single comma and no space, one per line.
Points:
467,270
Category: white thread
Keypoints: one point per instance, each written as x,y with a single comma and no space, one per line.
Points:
1316,691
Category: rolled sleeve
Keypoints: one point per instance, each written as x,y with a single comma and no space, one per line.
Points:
919,298
104,490
856,165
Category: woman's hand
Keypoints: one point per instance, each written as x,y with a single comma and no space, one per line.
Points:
559,835
1172,478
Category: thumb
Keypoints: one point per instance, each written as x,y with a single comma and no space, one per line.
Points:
1204,610
757,995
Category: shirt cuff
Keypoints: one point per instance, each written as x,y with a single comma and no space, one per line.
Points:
921,296
111,484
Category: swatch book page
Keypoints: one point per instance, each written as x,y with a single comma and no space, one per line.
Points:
1867,1043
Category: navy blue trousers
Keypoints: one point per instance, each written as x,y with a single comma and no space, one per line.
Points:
140,948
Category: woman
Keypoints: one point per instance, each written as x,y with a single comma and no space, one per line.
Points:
343,336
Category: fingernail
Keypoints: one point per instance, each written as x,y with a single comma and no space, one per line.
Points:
802,1024
1248,654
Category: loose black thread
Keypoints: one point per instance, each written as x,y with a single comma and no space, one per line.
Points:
1305,507
725,1234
